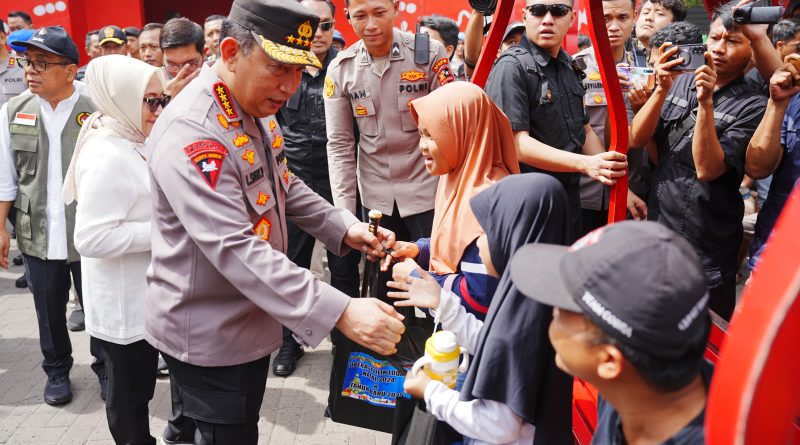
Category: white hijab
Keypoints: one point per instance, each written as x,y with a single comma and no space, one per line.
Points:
116,85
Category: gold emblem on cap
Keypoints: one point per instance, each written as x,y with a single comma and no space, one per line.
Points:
305,30
109,32
287,54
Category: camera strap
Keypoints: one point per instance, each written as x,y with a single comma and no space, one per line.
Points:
688,123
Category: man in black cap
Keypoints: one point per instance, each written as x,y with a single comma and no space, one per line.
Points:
113,41
220,285
37,137
132,36
640,344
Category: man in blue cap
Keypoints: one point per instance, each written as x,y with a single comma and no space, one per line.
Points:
38,132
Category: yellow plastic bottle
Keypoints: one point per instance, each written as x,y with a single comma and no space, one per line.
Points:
440,361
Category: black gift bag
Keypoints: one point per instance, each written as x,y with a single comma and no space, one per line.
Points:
365,385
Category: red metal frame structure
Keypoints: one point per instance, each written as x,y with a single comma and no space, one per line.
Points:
755,395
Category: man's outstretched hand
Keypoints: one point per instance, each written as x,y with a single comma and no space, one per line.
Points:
373,324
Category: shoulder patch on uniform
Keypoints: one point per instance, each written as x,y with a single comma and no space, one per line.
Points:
330,87
223,97
207,156
81,117
444,75
440,63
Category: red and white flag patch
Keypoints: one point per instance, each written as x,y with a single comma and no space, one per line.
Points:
25,119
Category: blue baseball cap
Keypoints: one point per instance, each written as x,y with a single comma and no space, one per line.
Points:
20,36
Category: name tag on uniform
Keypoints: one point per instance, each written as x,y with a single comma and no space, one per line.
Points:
25,119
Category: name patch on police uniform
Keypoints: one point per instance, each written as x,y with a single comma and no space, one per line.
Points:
223,96
207,156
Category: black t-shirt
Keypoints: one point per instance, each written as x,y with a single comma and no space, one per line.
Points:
609,426
543,95
707,213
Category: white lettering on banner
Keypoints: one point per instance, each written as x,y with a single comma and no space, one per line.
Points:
607,315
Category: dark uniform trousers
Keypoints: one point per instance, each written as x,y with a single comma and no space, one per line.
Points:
131,383
49,281
222,402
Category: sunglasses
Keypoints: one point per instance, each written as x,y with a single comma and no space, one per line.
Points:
327,26
154,102
540,10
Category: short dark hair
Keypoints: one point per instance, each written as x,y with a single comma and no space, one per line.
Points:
724,13
677,7
181,31
662,374
678,33
238,32
89,36
785,30
22,15
213,17
445,26
152,27
584,40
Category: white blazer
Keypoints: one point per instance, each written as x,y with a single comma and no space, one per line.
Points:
112,234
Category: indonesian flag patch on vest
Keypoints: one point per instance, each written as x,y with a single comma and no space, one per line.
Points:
25,119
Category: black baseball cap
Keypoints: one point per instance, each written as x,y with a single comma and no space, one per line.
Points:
132,31
283,29
639,282
113,34
517,26
53,39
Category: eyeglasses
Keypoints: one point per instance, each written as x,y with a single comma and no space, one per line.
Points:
327,26
177,67
38,65
154,102
557,10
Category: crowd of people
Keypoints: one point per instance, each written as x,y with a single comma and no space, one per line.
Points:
179,181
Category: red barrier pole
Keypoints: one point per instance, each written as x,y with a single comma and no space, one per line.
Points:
616,104
755,393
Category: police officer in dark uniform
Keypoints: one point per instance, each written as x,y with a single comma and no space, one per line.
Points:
538,88
302,119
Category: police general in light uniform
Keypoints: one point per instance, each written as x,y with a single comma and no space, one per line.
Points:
12,77
220,285
373,81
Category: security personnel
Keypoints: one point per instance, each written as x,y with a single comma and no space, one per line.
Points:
38,132
302,120
220,285
12,77
373,81
536,85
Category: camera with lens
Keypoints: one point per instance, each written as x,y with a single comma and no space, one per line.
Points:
757,15
694,56
485,7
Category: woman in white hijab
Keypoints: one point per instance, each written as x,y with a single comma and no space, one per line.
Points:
108,178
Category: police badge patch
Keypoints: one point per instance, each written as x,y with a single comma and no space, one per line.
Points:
207,156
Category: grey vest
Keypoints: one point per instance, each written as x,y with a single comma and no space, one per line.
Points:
31,148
